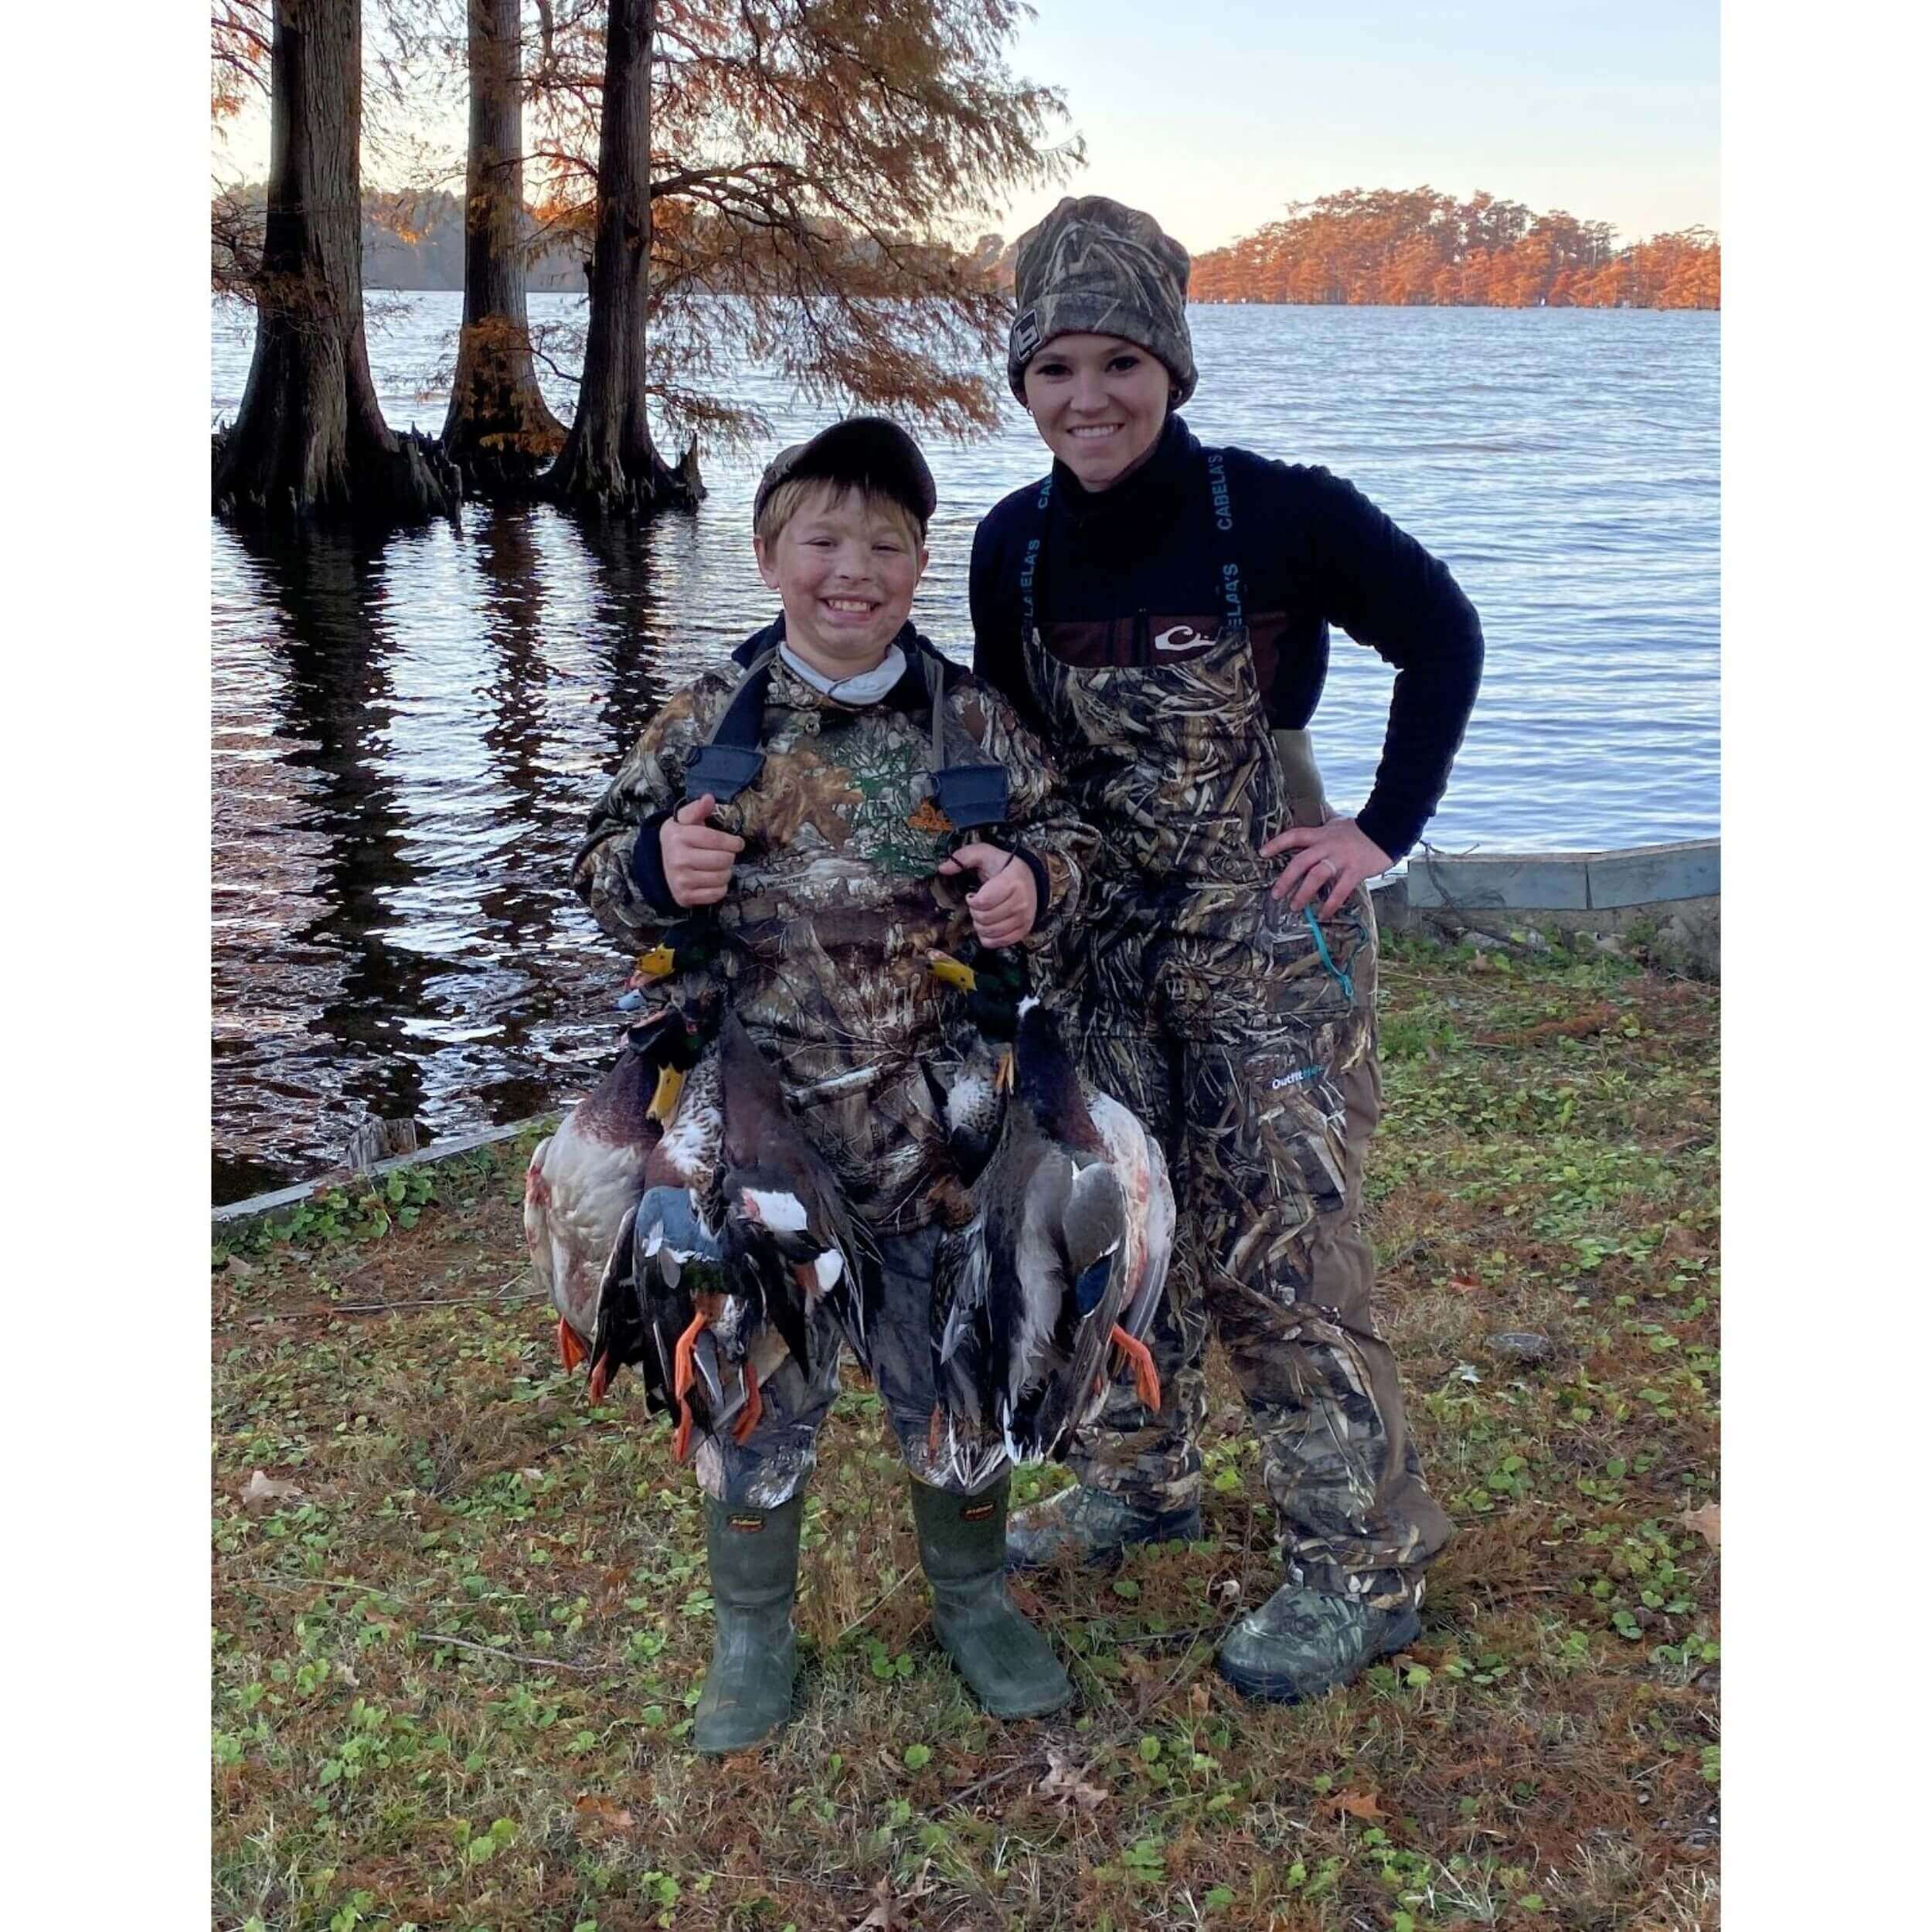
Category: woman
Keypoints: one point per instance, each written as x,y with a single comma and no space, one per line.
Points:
1160,612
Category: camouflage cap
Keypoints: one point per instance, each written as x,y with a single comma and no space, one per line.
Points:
1095,268
869,453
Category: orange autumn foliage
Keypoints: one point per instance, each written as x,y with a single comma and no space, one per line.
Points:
1414,247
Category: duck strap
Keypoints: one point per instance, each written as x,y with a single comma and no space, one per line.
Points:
970,796
731,757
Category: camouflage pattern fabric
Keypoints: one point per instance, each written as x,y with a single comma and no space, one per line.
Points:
836,901
1094,267
1204,1006
771,1464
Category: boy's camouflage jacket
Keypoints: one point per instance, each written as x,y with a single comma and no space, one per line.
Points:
836,901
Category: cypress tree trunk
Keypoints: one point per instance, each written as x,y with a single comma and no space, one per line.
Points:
310,441
499,431
609,461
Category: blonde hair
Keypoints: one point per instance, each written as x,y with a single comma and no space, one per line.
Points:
792,496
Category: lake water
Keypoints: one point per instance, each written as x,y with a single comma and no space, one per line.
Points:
407,738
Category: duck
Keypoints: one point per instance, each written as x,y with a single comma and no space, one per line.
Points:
1070,1231
789,1241
583,1179
967,1082
740,1235
971,1103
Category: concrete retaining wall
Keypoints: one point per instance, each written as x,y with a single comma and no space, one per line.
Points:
1665,898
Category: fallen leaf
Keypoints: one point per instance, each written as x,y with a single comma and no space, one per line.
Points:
1465,1285
1465,1372
264,1488
1360,1804
1197,1700
885,1915
1229,1588
1064,1785
590,1806
1576,1026
1704,1521
239,1269
531,1476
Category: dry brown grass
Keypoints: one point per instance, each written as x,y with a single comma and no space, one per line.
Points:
452,1677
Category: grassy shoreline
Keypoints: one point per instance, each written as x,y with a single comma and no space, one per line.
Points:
454,1665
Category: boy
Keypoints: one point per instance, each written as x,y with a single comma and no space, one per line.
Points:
848,854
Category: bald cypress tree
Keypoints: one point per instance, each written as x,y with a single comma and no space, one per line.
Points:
499,431
309,442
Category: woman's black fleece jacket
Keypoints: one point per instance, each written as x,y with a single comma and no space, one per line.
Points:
1121,566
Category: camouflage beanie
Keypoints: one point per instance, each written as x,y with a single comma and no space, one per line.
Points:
1094,267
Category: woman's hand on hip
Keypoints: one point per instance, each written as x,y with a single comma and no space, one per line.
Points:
1005,903
1330,860
697,858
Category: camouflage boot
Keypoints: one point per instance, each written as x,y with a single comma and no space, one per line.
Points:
1303,1643
1090,1526
1010,1666
754,1578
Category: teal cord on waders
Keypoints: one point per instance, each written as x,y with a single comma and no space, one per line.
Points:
1341,977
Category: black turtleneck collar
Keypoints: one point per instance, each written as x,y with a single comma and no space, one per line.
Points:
1151,488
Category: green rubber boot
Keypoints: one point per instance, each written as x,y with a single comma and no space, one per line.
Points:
962,1544
1303,1643
754,1578
1085,1525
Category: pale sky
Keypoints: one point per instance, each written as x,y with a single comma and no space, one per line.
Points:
1213,113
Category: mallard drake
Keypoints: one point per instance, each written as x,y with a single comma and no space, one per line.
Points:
971,1100
789,1240
1029,1294
584,1179
967,1082
740,1233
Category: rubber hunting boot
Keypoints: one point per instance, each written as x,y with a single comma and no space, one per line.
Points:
962,1539
1303,1643
754,1578
1090,1526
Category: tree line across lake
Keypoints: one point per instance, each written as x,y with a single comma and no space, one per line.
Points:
1413,246
801,162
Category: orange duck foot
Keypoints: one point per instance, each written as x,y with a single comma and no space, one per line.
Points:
1147,1383
682,1372
600,1376
568,1346
681,1442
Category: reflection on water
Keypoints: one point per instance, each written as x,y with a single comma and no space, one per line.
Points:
407,736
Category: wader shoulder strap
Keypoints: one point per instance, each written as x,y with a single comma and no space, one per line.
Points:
1226,561
731,757
970,795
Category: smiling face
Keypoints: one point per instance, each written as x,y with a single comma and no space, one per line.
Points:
1099,403
845,566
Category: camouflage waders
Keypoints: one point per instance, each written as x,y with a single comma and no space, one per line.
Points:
1246,1040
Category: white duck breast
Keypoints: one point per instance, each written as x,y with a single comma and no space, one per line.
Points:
579,1189
1136,1158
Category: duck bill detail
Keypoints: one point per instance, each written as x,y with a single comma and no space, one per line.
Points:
665,1100
954,972
657,963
